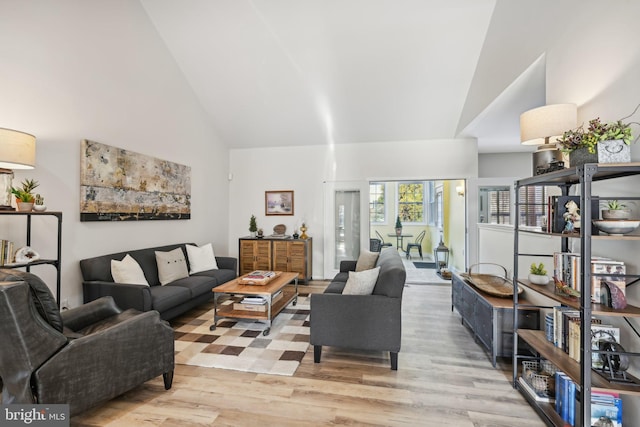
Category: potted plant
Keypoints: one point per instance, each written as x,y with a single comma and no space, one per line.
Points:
253,226
24,198
538,274
38,204
615,210
599,143
398,226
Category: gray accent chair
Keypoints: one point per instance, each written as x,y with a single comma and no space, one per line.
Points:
80,357
364,322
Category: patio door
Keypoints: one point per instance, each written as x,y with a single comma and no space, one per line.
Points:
345,224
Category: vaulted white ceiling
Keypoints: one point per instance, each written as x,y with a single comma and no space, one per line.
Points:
299,72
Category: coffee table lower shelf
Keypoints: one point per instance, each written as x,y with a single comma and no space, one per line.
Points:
236,292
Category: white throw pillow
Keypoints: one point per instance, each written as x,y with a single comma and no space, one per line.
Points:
366,260
361,283
128,271
201,258
171,266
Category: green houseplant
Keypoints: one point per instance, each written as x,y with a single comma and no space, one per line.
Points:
614,138
253,226
615,210
398,226
538,274
24,197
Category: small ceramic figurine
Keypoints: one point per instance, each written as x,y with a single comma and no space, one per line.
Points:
571,216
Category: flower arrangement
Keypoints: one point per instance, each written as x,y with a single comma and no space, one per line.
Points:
597,131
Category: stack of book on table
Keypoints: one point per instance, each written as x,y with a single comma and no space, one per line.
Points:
252,303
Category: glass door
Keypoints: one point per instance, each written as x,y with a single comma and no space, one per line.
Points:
343,219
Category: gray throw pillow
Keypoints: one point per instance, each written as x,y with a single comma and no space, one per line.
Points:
361,283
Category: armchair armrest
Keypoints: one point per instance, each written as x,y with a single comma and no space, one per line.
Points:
108,362
91,312
347,265
124,295
228,263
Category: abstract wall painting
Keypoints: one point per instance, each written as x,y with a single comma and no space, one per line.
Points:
120,185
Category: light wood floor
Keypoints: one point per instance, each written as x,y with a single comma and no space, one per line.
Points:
444,379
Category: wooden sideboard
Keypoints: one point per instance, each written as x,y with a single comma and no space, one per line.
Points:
277,255
490,318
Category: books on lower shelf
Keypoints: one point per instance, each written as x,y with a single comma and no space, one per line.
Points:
606,407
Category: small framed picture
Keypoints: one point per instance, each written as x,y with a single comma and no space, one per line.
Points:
278,202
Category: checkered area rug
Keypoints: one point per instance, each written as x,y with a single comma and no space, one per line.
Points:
240,344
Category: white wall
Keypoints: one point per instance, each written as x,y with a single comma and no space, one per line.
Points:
304,169
74,69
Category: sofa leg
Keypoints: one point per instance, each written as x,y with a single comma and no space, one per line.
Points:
394,360
317,352
168,379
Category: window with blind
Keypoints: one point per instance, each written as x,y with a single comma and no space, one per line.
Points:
533,206
499,206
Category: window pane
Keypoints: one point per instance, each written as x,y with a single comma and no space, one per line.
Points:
532,206
377,211
411,202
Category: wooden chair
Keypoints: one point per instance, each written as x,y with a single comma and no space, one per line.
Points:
416,244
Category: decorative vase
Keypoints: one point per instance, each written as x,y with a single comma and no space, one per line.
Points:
24,206
39,208
538,279
252,234
398,231
580,156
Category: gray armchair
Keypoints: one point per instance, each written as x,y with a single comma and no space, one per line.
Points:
365,322
81,357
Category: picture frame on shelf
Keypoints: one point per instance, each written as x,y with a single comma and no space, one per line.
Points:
278,202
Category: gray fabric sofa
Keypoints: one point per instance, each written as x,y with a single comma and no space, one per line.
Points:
169,300
365,322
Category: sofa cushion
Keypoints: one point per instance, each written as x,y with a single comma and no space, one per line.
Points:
164,298
201,258
128,271
366,260
172,266
197,285
220,276
361,283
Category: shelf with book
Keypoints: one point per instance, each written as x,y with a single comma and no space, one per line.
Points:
581,373
55,262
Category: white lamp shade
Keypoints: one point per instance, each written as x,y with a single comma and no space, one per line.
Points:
17,149
549,121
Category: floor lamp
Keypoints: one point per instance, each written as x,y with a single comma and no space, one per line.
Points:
17,151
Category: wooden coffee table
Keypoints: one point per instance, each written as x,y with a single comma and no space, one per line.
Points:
234,288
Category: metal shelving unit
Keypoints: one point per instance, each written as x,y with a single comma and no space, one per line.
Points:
581,373
55,262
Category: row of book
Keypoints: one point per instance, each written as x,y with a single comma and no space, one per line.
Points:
566,267
567,333
6,252
606,407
